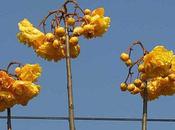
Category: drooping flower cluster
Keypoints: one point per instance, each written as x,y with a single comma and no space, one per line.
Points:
156,73
52,45
21,88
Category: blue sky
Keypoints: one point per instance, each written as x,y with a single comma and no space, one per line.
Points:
98,71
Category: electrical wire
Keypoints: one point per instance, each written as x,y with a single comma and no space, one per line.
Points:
87,118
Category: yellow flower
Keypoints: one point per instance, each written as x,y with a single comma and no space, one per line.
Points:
7,100
88,31
49,52
172,70
98,11
95,23
30,72
101,24
78,31
29,34
5,81
153,90
158,62
24,91
160,86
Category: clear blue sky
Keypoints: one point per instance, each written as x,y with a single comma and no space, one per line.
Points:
98,71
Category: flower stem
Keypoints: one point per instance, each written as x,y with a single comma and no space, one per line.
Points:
9,126
144,116
69,82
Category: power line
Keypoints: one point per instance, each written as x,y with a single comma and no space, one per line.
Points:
87,118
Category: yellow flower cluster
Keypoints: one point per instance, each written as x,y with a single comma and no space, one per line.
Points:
21,90
157,70
158,62
29,72
49,46
52,47
95,23
29,34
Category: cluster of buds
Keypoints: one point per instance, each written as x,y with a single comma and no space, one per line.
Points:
156,72
20,87
52,45
134,88
126,59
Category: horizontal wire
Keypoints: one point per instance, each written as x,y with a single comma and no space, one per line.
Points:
86,118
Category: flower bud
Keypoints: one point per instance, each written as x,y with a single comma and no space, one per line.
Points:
73,41
143,77
87,18
50,37
137,82
141,68
123,86
78,31
131,87
135,91
17,70
70,21
56,43
87,11
128,62
142,86
124,57
59,31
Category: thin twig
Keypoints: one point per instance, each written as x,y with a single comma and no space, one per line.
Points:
13,63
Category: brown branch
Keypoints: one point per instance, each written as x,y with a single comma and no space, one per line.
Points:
144,116
43,22
13,63
69,80
9,125
129,50
130,68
